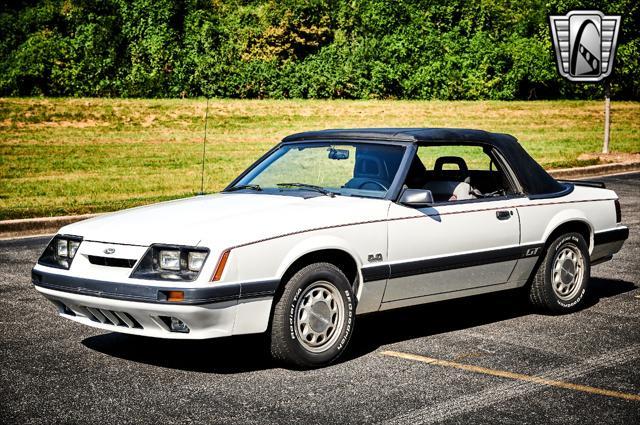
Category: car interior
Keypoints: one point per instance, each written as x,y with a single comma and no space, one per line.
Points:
452,180
375,168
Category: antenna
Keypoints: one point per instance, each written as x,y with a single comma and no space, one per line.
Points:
204,147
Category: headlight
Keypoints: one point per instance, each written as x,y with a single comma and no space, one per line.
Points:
63,248
60,251
167,262
170,260
195,261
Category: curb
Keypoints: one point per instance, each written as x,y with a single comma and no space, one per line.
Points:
594,170
49,225
37,226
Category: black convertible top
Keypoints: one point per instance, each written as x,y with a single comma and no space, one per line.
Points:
533,178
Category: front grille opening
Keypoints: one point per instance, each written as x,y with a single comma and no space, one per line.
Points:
112,262
133,323
115,318
66,310
63,308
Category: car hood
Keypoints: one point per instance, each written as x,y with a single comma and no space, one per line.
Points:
226,219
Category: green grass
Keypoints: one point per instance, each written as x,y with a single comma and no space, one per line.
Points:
71,156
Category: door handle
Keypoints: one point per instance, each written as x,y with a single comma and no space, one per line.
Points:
504,215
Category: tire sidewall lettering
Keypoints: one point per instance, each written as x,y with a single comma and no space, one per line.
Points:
574,241
292,313
566,239
574,302
348,322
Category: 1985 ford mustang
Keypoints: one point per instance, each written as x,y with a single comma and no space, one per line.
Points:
331,224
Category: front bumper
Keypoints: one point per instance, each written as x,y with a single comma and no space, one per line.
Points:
209,312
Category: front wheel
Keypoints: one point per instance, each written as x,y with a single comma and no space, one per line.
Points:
313,318
561,281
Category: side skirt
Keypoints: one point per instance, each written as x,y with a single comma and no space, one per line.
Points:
450,295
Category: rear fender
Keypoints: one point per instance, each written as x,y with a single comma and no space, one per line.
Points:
567,216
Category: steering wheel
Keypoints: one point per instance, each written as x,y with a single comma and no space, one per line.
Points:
374,182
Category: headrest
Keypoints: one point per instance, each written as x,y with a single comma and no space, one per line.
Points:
368,165
450,160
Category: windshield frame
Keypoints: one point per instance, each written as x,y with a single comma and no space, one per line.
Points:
394,188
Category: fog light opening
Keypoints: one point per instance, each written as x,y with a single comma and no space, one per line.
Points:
177,325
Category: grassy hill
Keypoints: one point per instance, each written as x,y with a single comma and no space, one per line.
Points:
70,156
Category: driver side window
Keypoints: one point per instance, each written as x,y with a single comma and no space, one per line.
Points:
457,173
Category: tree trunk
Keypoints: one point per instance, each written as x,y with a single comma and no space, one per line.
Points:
607,115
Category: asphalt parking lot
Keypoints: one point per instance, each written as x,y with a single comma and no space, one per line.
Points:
486,359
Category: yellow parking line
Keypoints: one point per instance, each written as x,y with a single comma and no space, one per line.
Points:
512,375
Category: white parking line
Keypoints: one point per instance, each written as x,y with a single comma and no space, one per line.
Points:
516,388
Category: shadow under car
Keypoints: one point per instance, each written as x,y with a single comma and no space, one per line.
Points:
250,352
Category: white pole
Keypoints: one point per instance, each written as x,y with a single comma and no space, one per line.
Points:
607,115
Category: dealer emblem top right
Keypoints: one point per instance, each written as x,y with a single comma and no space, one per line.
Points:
585,44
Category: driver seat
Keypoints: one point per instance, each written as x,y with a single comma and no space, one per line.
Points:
368,168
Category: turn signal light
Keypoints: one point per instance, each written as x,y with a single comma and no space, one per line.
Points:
175,296
220,267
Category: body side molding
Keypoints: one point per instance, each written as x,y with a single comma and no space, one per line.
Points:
431,265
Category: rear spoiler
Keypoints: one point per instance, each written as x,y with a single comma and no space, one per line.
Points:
589,183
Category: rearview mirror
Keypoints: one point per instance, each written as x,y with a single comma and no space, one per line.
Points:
338,154
416,198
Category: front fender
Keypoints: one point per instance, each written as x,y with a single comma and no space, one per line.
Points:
317,243
270,259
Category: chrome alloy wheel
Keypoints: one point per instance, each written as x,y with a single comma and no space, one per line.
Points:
319,316
567,273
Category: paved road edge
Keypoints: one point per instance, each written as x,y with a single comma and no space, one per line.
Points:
37,226
595,170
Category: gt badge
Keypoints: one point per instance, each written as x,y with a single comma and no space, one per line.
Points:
531,252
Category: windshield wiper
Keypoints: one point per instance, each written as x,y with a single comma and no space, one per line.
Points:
308,187
255,187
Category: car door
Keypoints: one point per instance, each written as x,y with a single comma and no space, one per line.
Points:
449,248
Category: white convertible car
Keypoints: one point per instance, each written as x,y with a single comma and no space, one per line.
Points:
331,224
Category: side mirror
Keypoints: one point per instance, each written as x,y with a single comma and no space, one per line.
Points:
416,198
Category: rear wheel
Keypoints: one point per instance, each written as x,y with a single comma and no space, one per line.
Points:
561,282
313,318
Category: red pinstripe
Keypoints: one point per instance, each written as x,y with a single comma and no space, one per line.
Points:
412,217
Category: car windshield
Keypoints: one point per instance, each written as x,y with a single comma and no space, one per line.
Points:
352,169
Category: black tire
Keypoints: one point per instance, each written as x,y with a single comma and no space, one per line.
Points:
296,306
550,280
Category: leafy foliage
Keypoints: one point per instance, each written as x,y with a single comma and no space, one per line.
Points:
365,49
